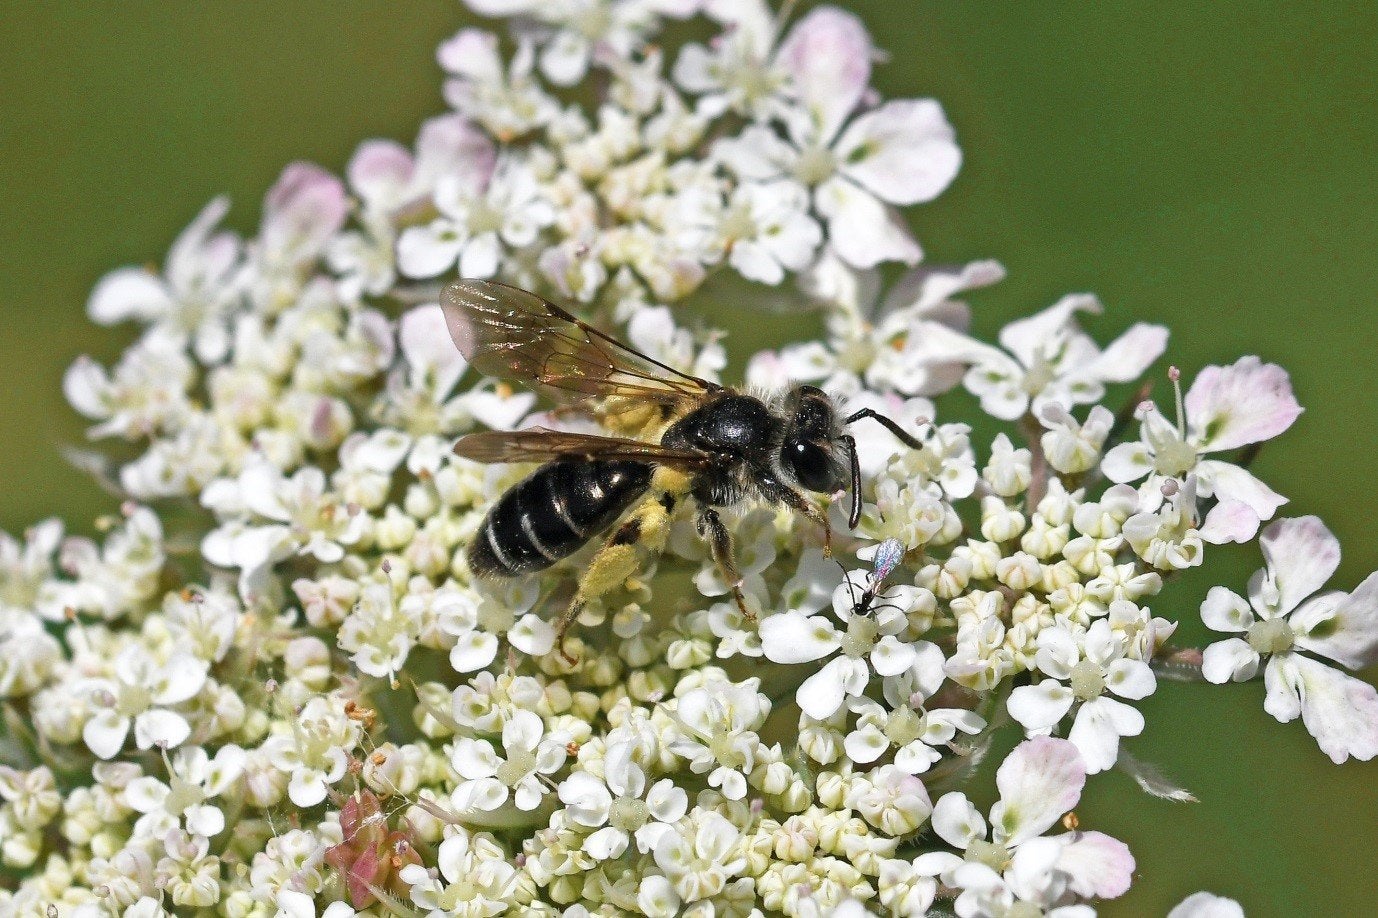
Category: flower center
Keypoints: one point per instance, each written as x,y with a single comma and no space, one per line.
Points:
628,814
1271,636
903,727
1088,681
815,164
1024,910
860,637
484,218
519,764
724,750
182,795
1175,457
996,857
1039,374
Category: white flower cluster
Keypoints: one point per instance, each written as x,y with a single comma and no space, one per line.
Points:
275,688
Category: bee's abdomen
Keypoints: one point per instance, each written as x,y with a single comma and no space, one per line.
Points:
552,513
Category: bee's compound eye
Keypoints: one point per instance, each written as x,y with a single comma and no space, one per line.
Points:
812,466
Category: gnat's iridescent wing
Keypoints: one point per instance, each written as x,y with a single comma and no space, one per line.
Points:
516,335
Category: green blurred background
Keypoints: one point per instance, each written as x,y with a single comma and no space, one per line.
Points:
1212,166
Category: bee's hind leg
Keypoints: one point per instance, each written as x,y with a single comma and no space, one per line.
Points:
711,527
616,561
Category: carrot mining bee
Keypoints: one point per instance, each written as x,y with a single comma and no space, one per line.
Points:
677,438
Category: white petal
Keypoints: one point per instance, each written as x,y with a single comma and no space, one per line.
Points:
129,293
1249,401
1206,905
1125,358
1341,712
1231,483
1283,687
1096,865
204,820
532,635
1301,555
1029,337
1130,679
792,637
1230,521
1040,707
606,843
1039,781
903,152
866,745
1229,660
1225,610
891,656
86,387
821,694
1343,628
425,251
160,727
956,820
473,651
427,347
863,230
1127,462
828,57
105,733
1098,728
480,256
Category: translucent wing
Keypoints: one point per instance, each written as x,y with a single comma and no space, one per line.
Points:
512,334
537,444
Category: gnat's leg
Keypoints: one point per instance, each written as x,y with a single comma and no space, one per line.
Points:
616,562
720,544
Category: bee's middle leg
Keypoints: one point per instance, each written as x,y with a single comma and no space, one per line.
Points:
711,527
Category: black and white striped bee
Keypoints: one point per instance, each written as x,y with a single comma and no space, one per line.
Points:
675,438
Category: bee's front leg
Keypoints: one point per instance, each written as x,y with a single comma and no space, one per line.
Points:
711,527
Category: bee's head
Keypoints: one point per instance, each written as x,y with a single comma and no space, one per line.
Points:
809,451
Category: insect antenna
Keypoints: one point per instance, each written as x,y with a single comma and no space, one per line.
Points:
905,437
849,442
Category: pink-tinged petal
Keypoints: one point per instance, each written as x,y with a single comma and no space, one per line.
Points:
821,694
380,172
1027,337
197,257
792,637
1301,555
1341,712
1231,660
1125,358
904,152
1230,482
426,345
472,53
128,293
1039,781
828,57
956,821
1098,728
1248,401
1097,865
862,230
1230,521
1040,707
451,146
1225,610
1206,905
1341,627
302,211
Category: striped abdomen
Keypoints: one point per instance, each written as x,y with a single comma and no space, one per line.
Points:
552,513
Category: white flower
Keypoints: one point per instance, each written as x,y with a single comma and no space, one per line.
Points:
902,152
1279,620
479,216
1225,408
529,754
475,880
147,393
313,749
915,737
194,779
716,732
620,806
766,230
868,642
379,633
1072,447
1081,668
507,102
1038,782
141,693
1048,359
192,298
701,856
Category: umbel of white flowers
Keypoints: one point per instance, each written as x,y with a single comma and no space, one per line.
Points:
317,710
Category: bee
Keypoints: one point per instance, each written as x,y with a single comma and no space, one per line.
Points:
889,554
676,439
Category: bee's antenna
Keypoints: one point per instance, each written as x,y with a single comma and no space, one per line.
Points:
855,517
906,438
